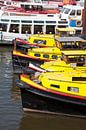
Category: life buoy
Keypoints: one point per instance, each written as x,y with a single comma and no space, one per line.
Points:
78,23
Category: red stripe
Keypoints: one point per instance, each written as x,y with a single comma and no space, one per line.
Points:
63,94
32,57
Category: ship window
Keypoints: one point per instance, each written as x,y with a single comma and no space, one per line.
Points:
36,54
26,29
54,56
14,28
74,59
3,27
38,21
50,15
24,21
72,12
83,44
4,20
73,89
50,21
8,3
56,86
39,41
78,78
38,29
66,11
1,2
78,12
45,56
69,45
15,21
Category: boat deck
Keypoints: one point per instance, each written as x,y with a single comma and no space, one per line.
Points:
3,42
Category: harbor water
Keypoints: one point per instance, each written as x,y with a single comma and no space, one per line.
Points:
12,116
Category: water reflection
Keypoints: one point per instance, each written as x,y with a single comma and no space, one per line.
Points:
15,91
10,110
33,121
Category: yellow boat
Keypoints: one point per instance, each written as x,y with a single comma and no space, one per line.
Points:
68,61
22,55
44,40
50,39
54,92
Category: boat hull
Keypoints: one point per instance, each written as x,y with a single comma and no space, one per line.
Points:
20,63
41,101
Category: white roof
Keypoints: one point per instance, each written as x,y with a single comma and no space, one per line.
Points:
73,7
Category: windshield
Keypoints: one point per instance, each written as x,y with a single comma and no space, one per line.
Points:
63,9
66,11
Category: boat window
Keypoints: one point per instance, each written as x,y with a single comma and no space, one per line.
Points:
78,78
56,86
45,56
3,27
66,11
38,29
54,56
73,89
63,9
50,29
50,15
15,20
83,45
80,61
72,59
8,3
26,29
4,20
37,54
69,45
32,7
25,21
50,21
14,28
38,41
72,12
78,12
1,2
38,21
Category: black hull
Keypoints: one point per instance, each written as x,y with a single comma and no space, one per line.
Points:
20,63
38,101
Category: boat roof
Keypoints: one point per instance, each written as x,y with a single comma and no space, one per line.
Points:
74,53
69,39
75,7
62,76
50,50
68,29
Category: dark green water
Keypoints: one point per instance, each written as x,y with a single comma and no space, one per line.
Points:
11,115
